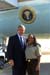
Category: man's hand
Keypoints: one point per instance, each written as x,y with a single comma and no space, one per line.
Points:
11,62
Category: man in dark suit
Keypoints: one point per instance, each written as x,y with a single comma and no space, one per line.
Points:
16,52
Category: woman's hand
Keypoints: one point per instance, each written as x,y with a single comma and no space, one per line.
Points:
37,67
11,62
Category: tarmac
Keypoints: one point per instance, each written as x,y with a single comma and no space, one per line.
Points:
44,70
44,67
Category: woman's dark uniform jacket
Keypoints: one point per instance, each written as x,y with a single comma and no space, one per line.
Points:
16,52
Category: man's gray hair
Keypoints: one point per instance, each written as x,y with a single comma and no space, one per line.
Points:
22,26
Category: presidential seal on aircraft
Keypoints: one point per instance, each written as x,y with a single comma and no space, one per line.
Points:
27,14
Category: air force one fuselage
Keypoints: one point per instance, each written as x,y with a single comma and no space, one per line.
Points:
38,24
35,15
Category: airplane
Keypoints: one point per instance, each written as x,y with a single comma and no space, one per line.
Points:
38,24
34,14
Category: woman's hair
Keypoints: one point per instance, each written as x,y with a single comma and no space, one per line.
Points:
34,41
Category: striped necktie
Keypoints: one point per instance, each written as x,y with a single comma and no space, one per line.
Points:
21,41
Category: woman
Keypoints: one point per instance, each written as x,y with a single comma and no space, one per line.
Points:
32,56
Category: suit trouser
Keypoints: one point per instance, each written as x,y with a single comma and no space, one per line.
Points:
19,71
31,67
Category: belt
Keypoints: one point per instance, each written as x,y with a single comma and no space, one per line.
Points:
29,60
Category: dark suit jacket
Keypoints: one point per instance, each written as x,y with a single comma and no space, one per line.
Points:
16,52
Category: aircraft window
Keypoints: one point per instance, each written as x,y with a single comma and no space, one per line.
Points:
23,0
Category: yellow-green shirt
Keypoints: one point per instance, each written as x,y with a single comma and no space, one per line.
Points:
32,52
